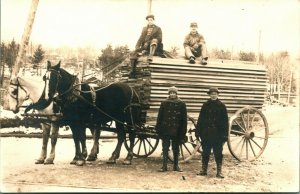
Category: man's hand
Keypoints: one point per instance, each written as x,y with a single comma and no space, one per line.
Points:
196,46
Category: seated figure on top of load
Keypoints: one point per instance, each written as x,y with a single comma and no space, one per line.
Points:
194,45
150,41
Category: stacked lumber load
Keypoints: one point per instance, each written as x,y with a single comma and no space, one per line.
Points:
240,83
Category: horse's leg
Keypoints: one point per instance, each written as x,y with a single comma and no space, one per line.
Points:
76,139
95,149
54,135
129,156
121,137
46,134
83,151
83,142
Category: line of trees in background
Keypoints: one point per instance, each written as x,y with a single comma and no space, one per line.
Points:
279,65
9,52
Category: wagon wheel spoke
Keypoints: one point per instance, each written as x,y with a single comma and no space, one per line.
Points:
253,118
239,125
248,118
144,146
149,143
187,149
237,145
181,151
139,148
136,142
242,148
243,119
247,149
238,132
256,143
252,148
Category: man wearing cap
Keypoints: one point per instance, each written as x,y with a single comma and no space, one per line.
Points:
212,128
150,40
171,126
194,45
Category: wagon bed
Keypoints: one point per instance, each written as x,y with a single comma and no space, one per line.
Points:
242,85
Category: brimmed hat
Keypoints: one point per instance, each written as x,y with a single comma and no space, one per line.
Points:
213,89
194,24
173,89
150,16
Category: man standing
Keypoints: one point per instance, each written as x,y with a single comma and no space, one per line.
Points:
194,45
172,126
212,128
150,40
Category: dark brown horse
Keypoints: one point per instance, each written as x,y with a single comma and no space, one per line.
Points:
85,108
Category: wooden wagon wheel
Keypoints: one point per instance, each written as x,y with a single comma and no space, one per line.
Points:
248,134
189,149
144,145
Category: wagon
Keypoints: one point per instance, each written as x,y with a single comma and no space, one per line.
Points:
243,89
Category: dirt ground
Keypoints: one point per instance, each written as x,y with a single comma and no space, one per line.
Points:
276,170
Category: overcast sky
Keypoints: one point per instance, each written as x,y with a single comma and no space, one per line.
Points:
223,23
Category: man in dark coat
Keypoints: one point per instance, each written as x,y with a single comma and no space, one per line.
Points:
150,40
172,126
212,128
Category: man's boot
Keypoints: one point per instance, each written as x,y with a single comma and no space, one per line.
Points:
164,168
133,62
203,172
192,60
152,51
204,61
176,167
219,167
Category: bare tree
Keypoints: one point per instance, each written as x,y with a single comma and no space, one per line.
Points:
280,73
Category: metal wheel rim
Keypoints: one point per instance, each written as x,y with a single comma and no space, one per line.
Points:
247,144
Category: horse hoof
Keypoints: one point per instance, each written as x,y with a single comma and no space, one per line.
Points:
73,162
39,161
80,162
49,161
127,162
91,158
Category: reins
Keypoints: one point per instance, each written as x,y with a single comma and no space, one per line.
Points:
71,88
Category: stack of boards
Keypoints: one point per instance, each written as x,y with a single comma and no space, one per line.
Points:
240,84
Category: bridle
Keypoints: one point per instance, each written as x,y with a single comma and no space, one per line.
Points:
45,78
17,91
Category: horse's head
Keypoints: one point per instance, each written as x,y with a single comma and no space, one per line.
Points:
52,80
17,94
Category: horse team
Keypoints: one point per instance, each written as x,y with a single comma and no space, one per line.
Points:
81,107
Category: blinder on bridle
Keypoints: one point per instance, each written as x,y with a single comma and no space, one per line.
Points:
15,92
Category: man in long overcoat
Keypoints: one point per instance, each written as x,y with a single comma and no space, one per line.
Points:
172,126
212,128
150,40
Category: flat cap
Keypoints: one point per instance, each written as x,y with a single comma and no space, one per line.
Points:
150,16
194,24
173,89
213,89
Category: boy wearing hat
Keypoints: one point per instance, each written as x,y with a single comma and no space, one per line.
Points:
150,40
171,125
194,45
212,128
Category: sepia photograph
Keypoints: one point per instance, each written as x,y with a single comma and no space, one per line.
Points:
149,96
